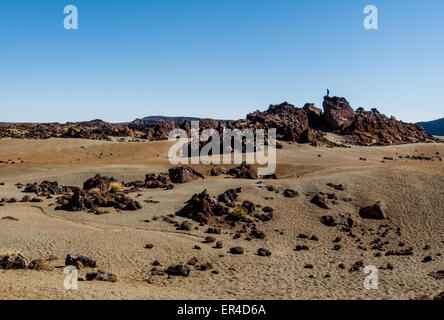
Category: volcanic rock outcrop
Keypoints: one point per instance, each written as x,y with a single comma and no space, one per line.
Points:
302,125
338,115
184,174
97,192
201,208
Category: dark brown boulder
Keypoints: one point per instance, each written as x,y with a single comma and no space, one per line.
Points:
75,202
13,262
314,115
257,234
289,122
244,171
214,230
218,171
184,174
376,211
162,180
178,270
26,198
264,216
219,245
321,200
98,182
228,197
201,208
338,115
249,206
71,260
101,276
268,209
45,188
262,252
237,250
186,226
39,265
205,266
210,239
289,193
329,221
193,261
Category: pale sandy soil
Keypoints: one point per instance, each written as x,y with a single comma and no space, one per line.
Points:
412,189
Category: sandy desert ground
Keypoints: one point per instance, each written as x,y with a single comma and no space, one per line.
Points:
412,189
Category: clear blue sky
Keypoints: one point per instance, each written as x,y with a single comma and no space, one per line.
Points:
217,58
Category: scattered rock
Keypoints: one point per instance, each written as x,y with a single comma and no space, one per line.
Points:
178,270
186,226
268,209
321,201
17,261
438,275
101,276
214,230
405,252
357,266
184,174
98,182
289,193
228,197
377,211
201,208
87,262
162,180
237,250
205,266
210,239
219,245
257,234
249,206
218,171
39,265
329,221
264,217
244,171
262,252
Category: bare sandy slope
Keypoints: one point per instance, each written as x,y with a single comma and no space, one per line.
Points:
412,189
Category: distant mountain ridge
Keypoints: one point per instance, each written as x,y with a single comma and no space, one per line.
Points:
146,121
435,127
154,119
